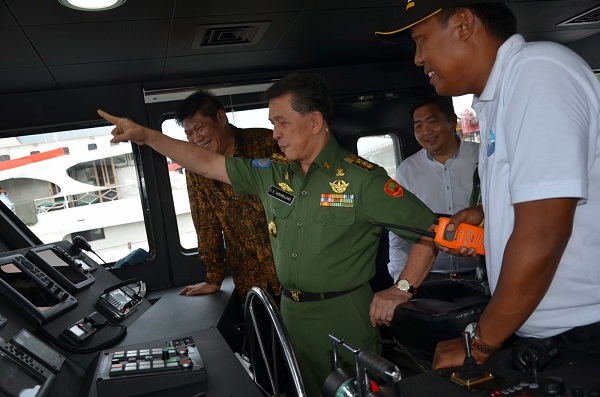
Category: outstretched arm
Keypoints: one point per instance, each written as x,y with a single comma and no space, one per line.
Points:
192,157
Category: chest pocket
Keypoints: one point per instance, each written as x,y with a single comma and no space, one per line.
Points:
342,216
279,213
332,225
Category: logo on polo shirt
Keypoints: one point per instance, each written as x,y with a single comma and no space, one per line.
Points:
491,148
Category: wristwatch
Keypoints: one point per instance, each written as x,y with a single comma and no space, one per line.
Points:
476,343
405,286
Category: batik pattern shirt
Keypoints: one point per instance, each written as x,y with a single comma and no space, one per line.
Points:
232,228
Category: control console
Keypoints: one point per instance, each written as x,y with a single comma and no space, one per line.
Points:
569,372
170,365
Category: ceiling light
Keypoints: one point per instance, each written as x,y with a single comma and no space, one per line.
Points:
91,5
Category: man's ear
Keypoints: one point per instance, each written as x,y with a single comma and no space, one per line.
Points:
316,119
222,117
466,23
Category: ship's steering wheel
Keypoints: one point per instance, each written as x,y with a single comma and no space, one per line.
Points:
269,346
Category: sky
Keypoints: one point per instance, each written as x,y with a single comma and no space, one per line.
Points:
461,103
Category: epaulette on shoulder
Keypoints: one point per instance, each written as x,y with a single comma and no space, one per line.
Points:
360,162
279,158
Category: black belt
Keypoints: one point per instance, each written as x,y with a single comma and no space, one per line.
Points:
300,296
582,333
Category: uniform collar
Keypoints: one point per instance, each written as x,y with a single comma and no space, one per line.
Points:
324,160
490,89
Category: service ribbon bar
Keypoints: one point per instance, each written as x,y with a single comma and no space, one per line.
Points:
337,200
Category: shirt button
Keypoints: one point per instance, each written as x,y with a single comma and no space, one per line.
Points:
304,192
299,223
333,217
294,255
274,210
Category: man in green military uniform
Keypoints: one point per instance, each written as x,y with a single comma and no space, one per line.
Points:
322,204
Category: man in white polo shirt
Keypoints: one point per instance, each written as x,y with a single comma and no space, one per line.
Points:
539,115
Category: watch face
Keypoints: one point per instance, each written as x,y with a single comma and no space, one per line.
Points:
471,330
403,285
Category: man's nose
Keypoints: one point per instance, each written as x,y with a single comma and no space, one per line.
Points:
196,136
418,59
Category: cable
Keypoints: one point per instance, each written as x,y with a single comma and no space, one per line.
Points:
83,244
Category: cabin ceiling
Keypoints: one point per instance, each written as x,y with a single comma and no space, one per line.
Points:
46,46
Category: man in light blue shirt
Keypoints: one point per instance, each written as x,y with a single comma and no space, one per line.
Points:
4,198
441,175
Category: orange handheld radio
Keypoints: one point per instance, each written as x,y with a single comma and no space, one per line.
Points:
465,235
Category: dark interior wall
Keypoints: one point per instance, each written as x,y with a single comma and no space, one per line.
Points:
69,107
588,48
376,115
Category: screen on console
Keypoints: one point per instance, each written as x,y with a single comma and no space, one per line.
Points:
72,274
32,291
15,381
27,287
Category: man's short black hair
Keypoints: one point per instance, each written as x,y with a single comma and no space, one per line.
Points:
204,102
310,92
498,20
443,103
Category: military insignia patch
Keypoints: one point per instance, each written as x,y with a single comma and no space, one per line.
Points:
340,172
360,162
279,158
327,165
339,186
261,163
285,187
393,188
337,200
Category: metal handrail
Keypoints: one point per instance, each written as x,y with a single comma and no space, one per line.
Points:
103,194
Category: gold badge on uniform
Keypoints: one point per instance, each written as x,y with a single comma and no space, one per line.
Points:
327,165
339,186
285,187
279,158
286,176
360,162
340,172
272,228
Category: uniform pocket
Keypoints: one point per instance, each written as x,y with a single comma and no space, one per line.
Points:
278,213
332,224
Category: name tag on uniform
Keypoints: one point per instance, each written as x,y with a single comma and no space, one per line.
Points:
281,195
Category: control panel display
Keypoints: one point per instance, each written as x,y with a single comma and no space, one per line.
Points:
61,266
33,290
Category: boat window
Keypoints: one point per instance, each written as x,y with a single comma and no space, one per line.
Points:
74,182
382,150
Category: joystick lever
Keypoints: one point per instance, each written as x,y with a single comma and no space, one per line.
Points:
470,369
470,373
